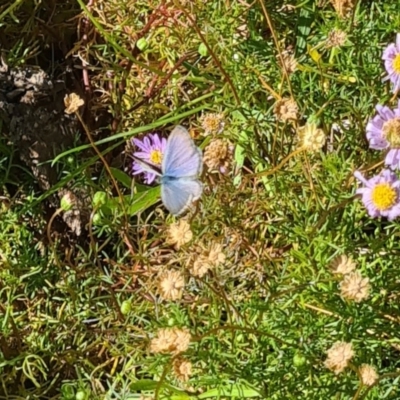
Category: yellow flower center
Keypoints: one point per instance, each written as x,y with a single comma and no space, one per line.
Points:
384,196
213,123
156,157
396,64
391,131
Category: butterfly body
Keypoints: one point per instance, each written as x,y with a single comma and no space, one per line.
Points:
165,179
181,166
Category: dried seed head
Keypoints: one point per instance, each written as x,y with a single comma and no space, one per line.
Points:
289,61
72,103
342,265
182,369
336,38
286,109
200,266
68,201
355,287
338,356
343,8
179,233
218,155
311,138
368,374
215,255
171,340
171,285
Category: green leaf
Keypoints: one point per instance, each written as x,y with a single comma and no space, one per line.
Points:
144,200
240,156
303,29
122,177
181,396
143,384
314,53
236,390
167,119
136,203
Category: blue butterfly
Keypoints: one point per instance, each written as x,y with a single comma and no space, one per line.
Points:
180,168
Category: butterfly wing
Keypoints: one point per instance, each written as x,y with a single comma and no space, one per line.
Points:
182,158
178,194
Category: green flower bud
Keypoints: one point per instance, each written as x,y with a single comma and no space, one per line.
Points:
299,360
67,201
97,220
142,44
126,307
99,199
203,51
81,395
67,392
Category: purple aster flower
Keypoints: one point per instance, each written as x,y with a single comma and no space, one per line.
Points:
152,149
383,132
381,194
391,55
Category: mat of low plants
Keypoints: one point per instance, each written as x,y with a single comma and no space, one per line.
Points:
199,199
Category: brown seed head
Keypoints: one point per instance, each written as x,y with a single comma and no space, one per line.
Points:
179,233
342,265
218,155
170,340
289,62
343,7
182,369
355,287
336,38
171,285
368,374
200,266
338,356
215,255
72,103
286,109
311,138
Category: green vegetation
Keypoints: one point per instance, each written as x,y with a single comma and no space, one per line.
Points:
248,276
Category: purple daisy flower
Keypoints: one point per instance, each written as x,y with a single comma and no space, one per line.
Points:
383,132
152,149
391,55
381,194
